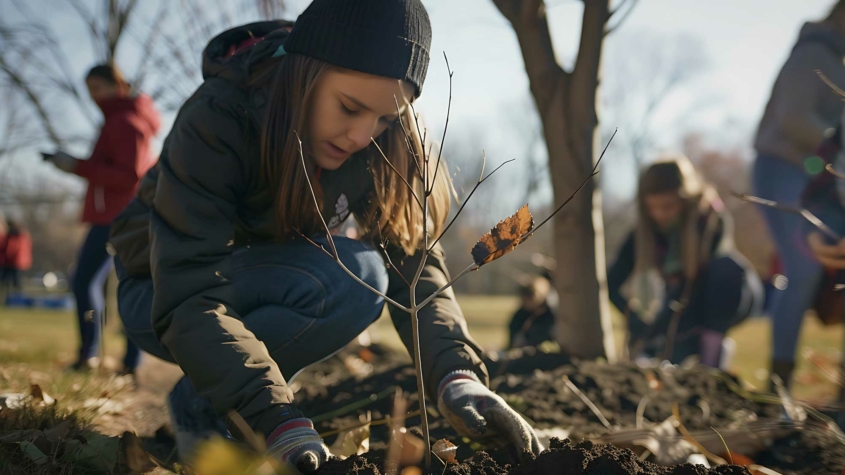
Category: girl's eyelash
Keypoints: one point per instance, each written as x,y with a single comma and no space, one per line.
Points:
347,110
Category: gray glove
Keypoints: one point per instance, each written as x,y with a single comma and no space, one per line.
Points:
297,444
476,412
63,162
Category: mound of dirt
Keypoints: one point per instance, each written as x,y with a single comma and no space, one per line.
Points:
534,383
562,457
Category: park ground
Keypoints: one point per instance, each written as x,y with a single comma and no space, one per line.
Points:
36,345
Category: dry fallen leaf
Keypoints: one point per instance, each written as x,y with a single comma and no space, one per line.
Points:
135,457
39,395
445,450
352,442
504,238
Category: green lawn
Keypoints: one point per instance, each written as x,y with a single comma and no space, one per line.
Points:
46,340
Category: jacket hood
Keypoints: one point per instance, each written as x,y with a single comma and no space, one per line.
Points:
822,33
231,54
141,105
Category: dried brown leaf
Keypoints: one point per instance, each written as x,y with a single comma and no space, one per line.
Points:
503,238
39,395
445,450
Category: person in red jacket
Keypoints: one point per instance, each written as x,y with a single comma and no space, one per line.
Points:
15,254
121,156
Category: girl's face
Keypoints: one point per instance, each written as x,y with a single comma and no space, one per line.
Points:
101,89
664,209
349,108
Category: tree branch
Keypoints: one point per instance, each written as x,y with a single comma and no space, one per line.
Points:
481,179
531,26
625,15
21,84
335,254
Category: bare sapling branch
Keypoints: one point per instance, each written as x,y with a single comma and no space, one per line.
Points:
401,176
830,83
335,254
407,137
804,213
832,171
572,196
481,179
445,128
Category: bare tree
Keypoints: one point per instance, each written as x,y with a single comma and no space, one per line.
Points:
566,102
166,39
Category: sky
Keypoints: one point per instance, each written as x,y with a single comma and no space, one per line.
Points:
743,45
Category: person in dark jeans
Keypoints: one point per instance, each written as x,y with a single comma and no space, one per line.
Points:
121,156
685,283
802,111
218,271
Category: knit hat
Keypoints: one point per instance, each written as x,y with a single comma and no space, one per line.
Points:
387,38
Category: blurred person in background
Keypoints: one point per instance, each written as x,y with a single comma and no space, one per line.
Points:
121,156
825,198
678,277
801,112
533,321
15,254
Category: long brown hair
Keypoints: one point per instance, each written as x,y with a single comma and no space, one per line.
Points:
393,212
675,174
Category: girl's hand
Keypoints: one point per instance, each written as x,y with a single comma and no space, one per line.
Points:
476,412
831,256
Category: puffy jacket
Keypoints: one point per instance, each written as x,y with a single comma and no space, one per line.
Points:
120,158
802,108
16,251
205,198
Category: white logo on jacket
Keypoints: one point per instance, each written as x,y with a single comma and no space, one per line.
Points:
342,210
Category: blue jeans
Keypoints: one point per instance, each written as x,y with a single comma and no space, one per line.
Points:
92,269
779,180
283,297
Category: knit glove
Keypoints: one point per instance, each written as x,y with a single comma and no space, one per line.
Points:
478,413
63,162
296,443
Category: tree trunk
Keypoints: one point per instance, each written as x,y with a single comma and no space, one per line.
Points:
566,103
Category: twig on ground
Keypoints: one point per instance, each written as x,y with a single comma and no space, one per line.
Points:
727,449
689,438
572,387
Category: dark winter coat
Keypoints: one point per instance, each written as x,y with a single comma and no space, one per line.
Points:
802,108
207,197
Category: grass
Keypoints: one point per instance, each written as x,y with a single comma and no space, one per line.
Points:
35,345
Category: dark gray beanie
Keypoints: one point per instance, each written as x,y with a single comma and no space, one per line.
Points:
389,38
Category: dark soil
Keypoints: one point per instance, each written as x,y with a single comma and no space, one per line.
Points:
562,457
533,383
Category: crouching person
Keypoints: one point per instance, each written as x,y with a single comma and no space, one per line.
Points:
215,271
684,282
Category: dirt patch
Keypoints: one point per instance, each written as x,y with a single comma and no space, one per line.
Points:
533,383
562,457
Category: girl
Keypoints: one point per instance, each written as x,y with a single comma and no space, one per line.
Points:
120,158
801,112
687,283
228,288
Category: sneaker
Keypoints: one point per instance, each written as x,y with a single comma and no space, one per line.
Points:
85,365
192,418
